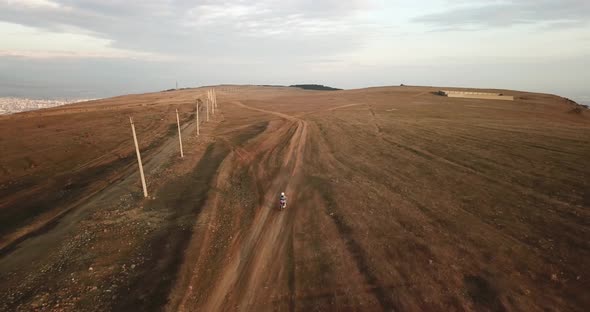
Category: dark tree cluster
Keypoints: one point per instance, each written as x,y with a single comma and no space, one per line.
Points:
314,87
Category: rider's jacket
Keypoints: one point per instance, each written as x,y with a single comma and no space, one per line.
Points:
283,198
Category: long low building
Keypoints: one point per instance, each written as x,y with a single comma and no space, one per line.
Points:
476,95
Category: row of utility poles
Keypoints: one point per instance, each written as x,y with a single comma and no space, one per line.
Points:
211,104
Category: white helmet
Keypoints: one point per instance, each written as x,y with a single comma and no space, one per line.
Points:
282,193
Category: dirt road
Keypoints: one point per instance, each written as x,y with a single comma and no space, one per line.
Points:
398,200
259,251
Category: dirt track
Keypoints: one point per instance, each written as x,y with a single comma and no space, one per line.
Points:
264,246
398,200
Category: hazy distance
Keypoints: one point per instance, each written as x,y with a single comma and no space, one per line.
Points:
90,49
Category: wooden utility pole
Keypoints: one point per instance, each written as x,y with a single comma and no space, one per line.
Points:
208,110
145,193
198,118
212,103
210,100
179,134
215,98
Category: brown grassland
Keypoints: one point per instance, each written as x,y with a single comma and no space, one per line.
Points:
399,199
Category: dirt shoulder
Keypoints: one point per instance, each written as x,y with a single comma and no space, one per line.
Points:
89,257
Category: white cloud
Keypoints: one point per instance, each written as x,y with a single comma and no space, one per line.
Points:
27,42
31,3
181,28
285,41
55,54
491,13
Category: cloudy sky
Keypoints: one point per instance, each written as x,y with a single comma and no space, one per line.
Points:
97,48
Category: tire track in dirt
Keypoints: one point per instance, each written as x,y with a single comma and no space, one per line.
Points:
262,261
296,149
257,257
384,295
469,215
274,237
330,109
194,293
460,166
471,170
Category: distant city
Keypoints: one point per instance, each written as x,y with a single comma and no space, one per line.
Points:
11,105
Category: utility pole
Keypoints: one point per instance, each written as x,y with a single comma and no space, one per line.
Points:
215,98
212,103
198,118
176,84
179,134
145,193
211,100
207,110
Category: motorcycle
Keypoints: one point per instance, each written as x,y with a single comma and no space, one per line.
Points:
282,204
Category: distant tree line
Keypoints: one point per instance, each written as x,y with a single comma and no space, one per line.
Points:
170,90
314,87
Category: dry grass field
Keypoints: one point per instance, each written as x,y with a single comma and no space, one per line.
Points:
399,199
